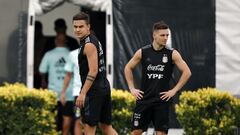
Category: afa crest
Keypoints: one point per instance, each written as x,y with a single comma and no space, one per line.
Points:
165,58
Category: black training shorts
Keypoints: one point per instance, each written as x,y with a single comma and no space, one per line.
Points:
67,109
97,109
156,113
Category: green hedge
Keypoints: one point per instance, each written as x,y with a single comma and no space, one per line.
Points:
208,111
26,112
122,104
29,112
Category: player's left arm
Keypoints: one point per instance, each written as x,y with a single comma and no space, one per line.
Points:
186,73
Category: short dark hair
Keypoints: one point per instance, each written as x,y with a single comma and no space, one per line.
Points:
82,16
160,25
60,23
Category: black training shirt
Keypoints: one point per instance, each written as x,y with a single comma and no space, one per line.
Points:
100,84
157,67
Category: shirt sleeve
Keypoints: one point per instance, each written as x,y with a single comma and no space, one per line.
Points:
69,64
44,65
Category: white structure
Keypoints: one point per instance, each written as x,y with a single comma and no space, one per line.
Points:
228,46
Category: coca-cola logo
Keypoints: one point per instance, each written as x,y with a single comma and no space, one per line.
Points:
155,68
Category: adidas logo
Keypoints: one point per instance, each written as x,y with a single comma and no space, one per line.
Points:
60,63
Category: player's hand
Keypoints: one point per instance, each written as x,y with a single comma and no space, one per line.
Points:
80,100
167,95
62,98
138,94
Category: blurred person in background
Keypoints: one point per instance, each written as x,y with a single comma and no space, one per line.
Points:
40,41
157,62
53,63
60,27
72,73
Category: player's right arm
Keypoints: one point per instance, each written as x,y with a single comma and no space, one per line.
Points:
68,67
91,53
66,83
134,61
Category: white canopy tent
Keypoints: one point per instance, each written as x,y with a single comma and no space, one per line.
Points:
44,6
